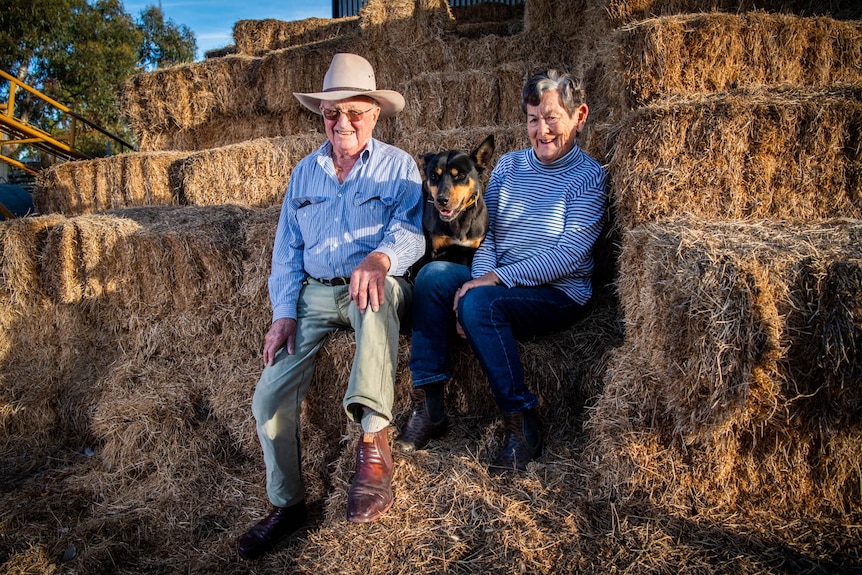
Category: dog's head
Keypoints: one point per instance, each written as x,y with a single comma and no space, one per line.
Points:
452,178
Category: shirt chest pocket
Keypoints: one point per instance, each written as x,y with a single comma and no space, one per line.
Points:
372,207
313,216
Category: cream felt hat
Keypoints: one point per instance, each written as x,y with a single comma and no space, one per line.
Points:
351,75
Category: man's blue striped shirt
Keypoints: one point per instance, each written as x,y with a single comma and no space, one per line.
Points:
326,228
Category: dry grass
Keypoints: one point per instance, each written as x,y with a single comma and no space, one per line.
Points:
783,154
715,430
740,369
126,180
145,437
253,173
468,99
188,95
700,53
627,11
257,37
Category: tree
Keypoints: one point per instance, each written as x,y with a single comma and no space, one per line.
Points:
79,52
164,43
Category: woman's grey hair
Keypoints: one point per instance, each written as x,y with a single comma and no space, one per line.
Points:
571,89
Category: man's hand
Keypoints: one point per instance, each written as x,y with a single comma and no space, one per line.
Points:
368,281
488,279
281,333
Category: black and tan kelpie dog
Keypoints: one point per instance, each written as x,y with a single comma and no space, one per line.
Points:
455,218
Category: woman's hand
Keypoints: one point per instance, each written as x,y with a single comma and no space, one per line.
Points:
489,279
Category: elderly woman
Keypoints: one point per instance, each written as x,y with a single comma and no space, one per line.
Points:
530,276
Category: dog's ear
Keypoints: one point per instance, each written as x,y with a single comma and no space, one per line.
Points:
482,154
426,158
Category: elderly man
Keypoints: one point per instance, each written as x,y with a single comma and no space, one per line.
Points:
350,227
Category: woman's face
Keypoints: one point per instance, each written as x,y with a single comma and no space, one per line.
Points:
552,130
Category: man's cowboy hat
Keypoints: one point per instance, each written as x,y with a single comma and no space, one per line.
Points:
348,76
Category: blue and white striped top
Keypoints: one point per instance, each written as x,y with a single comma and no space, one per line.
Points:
544,220
326,228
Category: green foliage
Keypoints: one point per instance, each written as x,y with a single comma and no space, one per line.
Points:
87,71
164,43
79,52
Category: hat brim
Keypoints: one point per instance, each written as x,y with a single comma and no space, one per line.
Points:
390,102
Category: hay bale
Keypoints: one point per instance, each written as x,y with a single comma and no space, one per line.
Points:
587,19
252,174
45,370
723,312
260,102
697,53
298,69
628,11
21,243
506,138
740,370
778,472
404,22
257,37
184,96
783,154
221,132
152,261
122,181
472,98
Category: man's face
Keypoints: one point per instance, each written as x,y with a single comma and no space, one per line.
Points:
349,137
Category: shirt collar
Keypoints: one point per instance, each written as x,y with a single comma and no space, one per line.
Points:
326,149
572,157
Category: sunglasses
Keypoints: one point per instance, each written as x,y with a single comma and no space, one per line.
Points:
352,115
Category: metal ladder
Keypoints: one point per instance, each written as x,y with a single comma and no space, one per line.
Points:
15,131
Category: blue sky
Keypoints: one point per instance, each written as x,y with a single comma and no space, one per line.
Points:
212,20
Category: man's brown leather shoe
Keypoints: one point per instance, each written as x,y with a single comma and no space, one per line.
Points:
370,494
428,419
266,533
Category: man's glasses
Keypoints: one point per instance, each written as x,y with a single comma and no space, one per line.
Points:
352,115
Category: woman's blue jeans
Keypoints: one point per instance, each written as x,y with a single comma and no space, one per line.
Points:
493,318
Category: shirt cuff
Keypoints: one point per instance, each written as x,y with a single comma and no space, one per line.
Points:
393,259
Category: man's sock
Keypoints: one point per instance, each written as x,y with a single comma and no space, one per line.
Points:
372,422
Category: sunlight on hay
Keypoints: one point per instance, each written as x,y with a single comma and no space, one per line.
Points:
784,154
699,53
188,95
256,37
253,173
125,180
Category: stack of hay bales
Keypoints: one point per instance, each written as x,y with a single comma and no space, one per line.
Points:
131,321
738,201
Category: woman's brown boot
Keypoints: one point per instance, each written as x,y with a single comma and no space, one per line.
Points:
523,442
428,419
